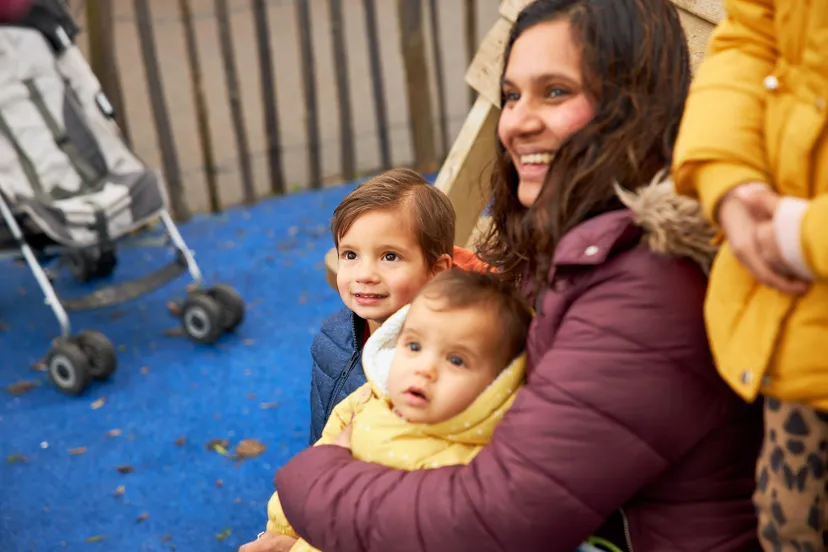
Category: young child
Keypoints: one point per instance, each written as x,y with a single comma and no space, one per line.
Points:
441,373
753,149
392,234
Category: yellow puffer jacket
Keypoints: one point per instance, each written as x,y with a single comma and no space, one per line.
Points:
380,436
757,112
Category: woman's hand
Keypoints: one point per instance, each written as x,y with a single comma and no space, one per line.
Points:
746,217
269,542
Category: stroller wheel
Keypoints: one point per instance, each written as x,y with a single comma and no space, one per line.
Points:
86,264
100,353
231,303
202,318
68,367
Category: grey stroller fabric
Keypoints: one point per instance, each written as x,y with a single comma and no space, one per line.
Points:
62,159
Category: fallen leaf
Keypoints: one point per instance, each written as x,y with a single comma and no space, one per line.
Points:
119,491
16,459
177,331
99,403
180,441
249,342
268,405
95,538
174,308
77,451
145,370
124,469
238,501
251,396
249,448
142,517
22,387
113,433
224,534
219,445
219,483
166,538
39,367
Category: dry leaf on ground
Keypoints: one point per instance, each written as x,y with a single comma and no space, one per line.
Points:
174,308
39,367
119,491
99,403
77,451
177,331
124,469
145,370
219,445
16,459
249,448
142,517
22,387
180,441
113,433
268,405
224,534
95,538
219,483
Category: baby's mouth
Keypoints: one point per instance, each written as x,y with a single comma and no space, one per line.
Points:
415,396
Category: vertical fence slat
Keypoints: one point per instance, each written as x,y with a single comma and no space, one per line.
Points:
234,98
417,84
202,116
271,111
163,129
308,64
377,83
100,21
346,126
437,51
471,39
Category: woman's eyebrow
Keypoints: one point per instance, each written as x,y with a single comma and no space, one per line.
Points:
541,78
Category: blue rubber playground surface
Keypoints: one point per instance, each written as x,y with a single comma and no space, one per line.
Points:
60,486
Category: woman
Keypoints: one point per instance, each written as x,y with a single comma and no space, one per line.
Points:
623,429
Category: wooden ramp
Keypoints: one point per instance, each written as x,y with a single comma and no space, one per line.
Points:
466,171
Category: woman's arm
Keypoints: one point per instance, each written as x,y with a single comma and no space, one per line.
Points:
721,141
595,423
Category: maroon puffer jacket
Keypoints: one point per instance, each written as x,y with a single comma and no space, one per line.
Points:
624,429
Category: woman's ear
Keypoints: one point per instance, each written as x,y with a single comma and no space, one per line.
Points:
442,263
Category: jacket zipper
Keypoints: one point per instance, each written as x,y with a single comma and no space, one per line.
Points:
343,376
627,530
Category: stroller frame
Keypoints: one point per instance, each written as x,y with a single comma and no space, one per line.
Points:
108,295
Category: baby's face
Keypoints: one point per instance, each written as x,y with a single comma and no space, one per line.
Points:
381,266
444,360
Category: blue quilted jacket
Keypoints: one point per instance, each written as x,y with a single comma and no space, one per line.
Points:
337,366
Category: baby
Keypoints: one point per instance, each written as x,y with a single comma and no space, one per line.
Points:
441,373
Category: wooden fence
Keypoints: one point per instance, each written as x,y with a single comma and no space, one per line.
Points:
206,90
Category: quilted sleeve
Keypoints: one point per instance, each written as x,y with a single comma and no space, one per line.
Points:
581,439
721,142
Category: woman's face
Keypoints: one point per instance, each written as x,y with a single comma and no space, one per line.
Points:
544,101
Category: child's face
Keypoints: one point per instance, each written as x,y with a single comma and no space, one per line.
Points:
444,360
381,265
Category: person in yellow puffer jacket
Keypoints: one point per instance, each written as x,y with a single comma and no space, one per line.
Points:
753,148
441,373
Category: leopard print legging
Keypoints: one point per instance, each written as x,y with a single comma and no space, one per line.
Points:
792,480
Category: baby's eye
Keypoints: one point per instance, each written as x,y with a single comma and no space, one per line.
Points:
390,257
348,255
456,360
414,346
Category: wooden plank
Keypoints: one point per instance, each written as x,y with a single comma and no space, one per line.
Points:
268,84
697,31
417,84
484,73
200,103
163,129
346,130
471,39
711,11
231,75
308,64
103,59
437,57
377,83
467,170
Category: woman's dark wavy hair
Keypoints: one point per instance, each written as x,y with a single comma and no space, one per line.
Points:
636,68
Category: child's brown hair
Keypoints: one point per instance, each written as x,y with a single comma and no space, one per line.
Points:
460,288
431,211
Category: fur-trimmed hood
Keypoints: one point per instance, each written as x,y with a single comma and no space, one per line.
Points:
673,224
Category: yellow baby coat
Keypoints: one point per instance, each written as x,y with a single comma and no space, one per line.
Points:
380,436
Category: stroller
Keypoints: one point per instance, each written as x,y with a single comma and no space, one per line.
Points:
70,189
